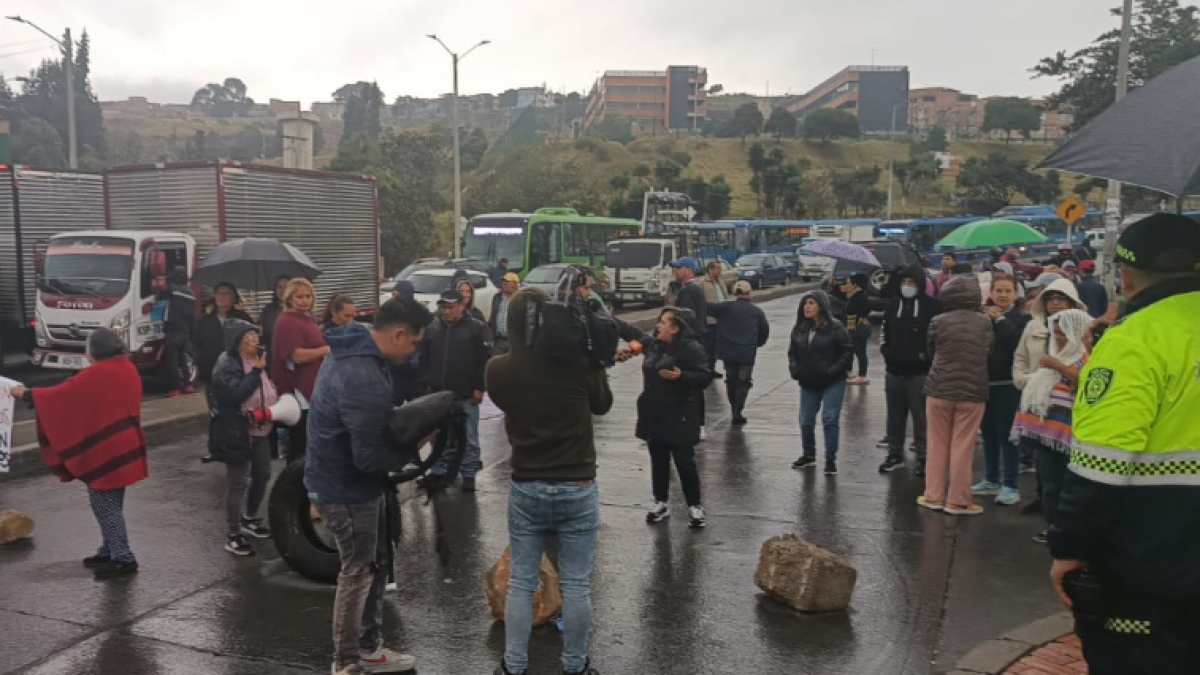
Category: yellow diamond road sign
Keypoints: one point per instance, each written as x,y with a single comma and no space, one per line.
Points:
1071,210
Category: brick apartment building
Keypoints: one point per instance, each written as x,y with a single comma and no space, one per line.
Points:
962,115
873,94
652,100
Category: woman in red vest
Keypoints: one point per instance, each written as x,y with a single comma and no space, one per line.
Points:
90,429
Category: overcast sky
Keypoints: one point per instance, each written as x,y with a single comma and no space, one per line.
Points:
300,49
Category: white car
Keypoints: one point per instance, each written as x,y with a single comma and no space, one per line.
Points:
429,284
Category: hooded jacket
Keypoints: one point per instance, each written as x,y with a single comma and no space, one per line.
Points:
548,405
209,337
453,355
230,386
905,329
348,460
819,358
1035,339
960,341
669,410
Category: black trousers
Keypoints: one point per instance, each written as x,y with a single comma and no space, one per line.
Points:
738,382
297,447
1143,638
173,362
661,455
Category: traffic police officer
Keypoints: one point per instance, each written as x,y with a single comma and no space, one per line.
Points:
1130,507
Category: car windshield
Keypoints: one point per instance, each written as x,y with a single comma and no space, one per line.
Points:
753,260
633,254
544,275
491,239
95,266
430,284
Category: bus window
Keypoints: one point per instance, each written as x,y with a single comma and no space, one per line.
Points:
578,242
545,244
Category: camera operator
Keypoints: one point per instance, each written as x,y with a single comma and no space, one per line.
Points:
346,475
548,405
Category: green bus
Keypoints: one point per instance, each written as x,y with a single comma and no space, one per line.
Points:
546,236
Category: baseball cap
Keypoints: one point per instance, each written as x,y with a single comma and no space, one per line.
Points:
1087,266
1043,280
1004,267
511,277
741,288
686,261
450,297
405,289
1069,265
1163,242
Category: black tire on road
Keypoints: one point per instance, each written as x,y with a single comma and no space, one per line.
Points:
292,528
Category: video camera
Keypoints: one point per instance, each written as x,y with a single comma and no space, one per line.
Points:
567,327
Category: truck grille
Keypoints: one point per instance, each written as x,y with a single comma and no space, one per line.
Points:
69,335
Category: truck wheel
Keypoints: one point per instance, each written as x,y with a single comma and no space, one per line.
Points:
303,543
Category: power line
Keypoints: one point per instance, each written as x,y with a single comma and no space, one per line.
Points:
23,51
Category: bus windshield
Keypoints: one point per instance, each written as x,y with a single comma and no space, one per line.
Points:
95,266
495,238
633,254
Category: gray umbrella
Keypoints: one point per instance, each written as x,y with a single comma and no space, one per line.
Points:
254,264
1151,138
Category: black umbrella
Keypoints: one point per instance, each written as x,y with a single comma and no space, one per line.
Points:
1151,138
254,264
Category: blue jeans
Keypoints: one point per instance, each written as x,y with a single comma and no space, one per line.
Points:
571,512
472,460
998,451
828,402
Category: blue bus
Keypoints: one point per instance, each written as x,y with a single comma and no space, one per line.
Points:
781,237
727,239
925,234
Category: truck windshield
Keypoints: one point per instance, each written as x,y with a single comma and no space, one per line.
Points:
495,238
96,266
633,254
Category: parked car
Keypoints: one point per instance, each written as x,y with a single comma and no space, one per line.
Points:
764,269
428,285
441,263
893,256
544,277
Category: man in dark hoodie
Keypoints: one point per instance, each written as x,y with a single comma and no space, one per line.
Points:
346,475
548,407
181,315
903,340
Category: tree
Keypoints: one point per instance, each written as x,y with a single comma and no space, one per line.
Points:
935,141
781,123
44,96
472,148
1009,114
642,170
1164,34
816,192
716,204
364,105
827,124
757,158
667,171
36,143
226,99
747,120
856,188
990,184
917,174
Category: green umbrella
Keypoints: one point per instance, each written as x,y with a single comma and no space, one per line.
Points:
989,233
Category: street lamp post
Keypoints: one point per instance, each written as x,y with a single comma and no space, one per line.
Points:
1112,207
892,158
455,58
69,66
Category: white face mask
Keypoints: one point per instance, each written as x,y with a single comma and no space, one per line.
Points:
909,292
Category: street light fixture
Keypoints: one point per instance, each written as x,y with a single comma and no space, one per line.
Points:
69,59
892,158
455,58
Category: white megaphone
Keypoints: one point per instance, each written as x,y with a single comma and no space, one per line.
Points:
286,411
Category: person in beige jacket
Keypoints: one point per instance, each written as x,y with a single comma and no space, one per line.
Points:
714,292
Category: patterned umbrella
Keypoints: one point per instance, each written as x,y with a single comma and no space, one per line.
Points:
841,250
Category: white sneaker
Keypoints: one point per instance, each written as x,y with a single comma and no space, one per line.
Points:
385,660
659,513
696,518
352,669
703,434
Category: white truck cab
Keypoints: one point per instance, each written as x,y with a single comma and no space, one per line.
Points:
638,269
105,279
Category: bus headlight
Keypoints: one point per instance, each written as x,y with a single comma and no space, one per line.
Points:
40,332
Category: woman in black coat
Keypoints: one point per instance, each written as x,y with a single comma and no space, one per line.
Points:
819,355
674,370
209,340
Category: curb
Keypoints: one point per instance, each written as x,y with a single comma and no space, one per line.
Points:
26,459
995,656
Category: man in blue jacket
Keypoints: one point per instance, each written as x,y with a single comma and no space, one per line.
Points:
346,474
741,329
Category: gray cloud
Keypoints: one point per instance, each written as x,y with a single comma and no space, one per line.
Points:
294,49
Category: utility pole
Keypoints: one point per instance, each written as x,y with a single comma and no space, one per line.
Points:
892,159
1112,207
455,58
68,49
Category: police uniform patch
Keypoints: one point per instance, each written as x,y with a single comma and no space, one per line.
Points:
1098,382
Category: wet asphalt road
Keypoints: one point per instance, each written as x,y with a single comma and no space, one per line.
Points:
666,599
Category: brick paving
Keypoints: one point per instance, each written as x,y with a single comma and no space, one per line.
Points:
1061,657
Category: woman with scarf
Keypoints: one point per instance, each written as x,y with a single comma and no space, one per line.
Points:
1047,401
297,351
90,430
240,385
339,312
819,355
226,304
674,369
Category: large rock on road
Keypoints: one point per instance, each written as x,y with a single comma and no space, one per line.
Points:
805,576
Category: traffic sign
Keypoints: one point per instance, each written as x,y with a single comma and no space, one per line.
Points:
1071,210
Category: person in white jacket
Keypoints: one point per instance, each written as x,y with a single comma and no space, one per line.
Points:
1059,295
